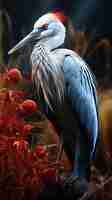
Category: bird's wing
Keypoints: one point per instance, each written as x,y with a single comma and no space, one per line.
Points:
80,90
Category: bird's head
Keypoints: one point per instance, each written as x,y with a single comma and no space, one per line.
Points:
47,27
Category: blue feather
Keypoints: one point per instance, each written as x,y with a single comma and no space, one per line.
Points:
80,90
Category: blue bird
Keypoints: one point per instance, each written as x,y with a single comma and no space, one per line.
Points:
67,90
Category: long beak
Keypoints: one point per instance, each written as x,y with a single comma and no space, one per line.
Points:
22,43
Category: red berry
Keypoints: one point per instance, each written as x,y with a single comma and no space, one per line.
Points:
28,106
14,75
27,128
40,150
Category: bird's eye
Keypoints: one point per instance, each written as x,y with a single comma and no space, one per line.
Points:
45,26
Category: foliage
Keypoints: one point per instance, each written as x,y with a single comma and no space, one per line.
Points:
24,169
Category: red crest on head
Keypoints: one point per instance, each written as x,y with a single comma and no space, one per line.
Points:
60,15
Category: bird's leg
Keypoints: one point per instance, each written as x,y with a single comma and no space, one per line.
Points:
82,157
77,182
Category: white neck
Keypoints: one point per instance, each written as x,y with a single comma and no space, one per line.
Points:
54,41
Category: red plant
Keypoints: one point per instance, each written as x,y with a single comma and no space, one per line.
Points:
40,151
14,75
23,170
26,170
21,145
27,128
12,125
28,106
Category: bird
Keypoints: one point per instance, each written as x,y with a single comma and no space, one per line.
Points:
66,88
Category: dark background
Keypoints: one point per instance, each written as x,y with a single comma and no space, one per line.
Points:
85,14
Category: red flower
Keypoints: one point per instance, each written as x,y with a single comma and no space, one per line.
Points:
40,151
27,128
21,145
14,75
28,106
11,125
